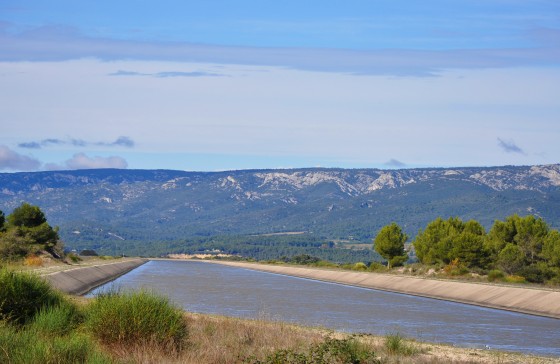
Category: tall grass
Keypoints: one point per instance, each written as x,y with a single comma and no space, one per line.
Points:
22,295
395,344
58,320
136,318
24,346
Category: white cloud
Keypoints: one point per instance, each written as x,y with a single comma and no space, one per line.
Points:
11,160
82,161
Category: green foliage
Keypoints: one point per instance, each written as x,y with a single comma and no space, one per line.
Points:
56,320
27,232
551,248
376,267
389,243
73,257
495,275
396,344
303,259
41,234
23,295
24,346
330,351
445,240
26,215
360,266
14,246
133,318
511,258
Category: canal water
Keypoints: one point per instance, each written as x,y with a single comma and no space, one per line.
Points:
216,289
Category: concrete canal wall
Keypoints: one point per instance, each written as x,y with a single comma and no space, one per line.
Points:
81,280
542,302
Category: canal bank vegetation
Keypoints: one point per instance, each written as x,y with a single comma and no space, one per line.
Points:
27,238
518,250
40,325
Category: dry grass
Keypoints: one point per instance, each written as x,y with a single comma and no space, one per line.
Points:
33,261
217,339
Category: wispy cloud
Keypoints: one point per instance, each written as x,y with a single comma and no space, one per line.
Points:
11,160
167,74
82,161
509,146
121,141
52,44
128,73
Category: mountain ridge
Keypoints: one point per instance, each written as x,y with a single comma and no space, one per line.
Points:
106,206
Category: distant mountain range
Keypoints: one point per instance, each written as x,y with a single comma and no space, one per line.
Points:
111,206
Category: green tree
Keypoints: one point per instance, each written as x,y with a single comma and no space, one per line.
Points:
528,233
531,233
389,243
27,226
26,215
551,249
429,242
447,240
511,259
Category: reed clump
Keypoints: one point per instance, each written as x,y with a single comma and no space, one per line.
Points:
22,295
136,318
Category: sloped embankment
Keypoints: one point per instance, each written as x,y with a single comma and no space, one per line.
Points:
533,301
81,280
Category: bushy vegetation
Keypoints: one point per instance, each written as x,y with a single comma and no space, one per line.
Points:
348,351
130,318
26,346
389,243
25,232
523,247
39,325
395,344
23,295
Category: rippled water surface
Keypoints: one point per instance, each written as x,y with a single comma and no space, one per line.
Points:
211,288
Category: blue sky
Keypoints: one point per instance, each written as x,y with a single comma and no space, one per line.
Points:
216,85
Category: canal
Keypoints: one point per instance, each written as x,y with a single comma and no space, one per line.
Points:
216,289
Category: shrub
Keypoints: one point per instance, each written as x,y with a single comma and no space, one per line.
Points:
74,257
376,266
131,318
13,246
331,350
495,275
536,273
23,295
360,266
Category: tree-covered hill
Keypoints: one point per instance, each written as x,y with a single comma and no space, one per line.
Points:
130,210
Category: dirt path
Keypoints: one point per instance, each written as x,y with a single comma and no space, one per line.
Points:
533,301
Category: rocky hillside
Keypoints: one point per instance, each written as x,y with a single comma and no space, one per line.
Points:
110,206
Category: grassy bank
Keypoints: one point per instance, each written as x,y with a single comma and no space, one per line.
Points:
40,325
